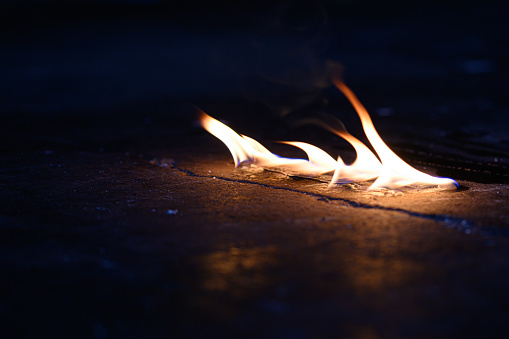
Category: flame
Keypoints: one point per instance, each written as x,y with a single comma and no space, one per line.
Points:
395,172
391,171
246,150
365,167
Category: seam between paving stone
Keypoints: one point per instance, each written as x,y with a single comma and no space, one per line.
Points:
452,222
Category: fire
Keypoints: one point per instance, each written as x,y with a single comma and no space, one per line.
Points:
246,150
390,171
394,172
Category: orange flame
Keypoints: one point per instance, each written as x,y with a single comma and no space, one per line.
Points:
247,150
395,172
391,171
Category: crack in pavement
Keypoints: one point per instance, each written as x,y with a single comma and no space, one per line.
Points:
459,224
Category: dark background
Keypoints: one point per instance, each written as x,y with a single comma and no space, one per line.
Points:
94,93
125,53
425,70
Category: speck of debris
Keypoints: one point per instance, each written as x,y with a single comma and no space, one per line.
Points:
163,162
172,212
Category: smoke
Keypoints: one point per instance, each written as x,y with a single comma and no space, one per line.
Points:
288,46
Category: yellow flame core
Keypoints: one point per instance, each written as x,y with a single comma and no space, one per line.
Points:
391,171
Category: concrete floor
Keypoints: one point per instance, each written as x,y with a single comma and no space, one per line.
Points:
106,237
